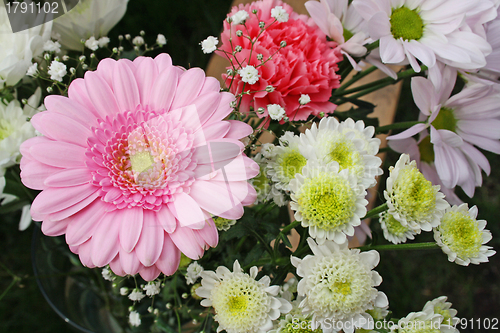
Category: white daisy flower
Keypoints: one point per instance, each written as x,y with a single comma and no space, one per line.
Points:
57,70
440,306
328,201
412,199
223,224
209,44
275,111
279,14
241,304
393,230
340,21
240,17
287,161
423,321
194,271
261,183
338,285
349,144
249,74
462,237
418,29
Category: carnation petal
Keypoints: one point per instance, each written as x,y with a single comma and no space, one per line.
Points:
148,248
130,228
169,258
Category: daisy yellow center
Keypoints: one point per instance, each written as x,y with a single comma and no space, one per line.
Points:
340,284
426,149
445,120
326,201
415,197
406,24
394,226
292,163
300,326
240,303
461,234
420,326
6,129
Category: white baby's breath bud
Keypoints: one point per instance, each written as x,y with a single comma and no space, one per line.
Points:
85,66
229,72
72,70
194,321
127,36
232,104
269,89
255,11
168,306
156,312
262,25
57,59
47,56
49,90
82,58
121,49
238,48
282,43
142,33
120,37
123,291
150,309
161,40
260,57
92,55
65,58
24,101
137,48
185,295
138,41
261,110
115,50
82,41
285,119
239,33
321,114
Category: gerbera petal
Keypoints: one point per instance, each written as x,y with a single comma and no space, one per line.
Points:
105,240
163,61
238,130
190,84
167,219
101,95
146,74
59,154
130,229
59,127
66,213
34,174
77,93
129,262
150,244
125,87
149,273
83,225
170,257
187,211
116,266
52,200
185,240
164,89
54,228
209,233
68,178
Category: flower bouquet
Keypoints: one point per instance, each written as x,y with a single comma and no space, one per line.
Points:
244,205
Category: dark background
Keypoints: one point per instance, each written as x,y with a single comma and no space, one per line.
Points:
410,277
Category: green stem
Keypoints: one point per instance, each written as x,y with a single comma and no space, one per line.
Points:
355,78
289,227
401,125
15,280
375,211
410,246
268,260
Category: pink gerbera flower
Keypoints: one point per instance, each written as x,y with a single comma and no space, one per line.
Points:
306,65
134,162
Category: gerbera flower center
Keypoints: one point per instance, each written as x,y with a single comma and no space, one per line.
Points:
240,302
292,163
394,226
426,149
461,234
414,194
445,120
326,201
406,24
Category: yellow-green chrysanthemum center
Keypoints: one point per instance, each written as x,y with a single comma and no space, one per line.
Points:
343,152
420,326
300,326
414,196
394,226
406,24
445,120
291,163
445,313
426,149
6,129
240,303
461,234
222,223
326,201
340,284
261,184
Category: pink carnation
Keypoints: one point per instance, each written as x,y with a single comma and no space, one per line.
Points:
306,65
134,162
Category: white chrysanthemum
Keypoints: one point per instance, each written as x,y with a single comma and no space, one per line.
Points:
249,74
276,111
152,288
136,295
161,40
241,304
92,43
412,199
209,44
287,161
57,70
223,224
394,231
279,14
295,321
423,321
416,29
348,143
440,306
462,237
338,285
240,17
194,271
88,18
328,201
134,318
15,127
261,183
